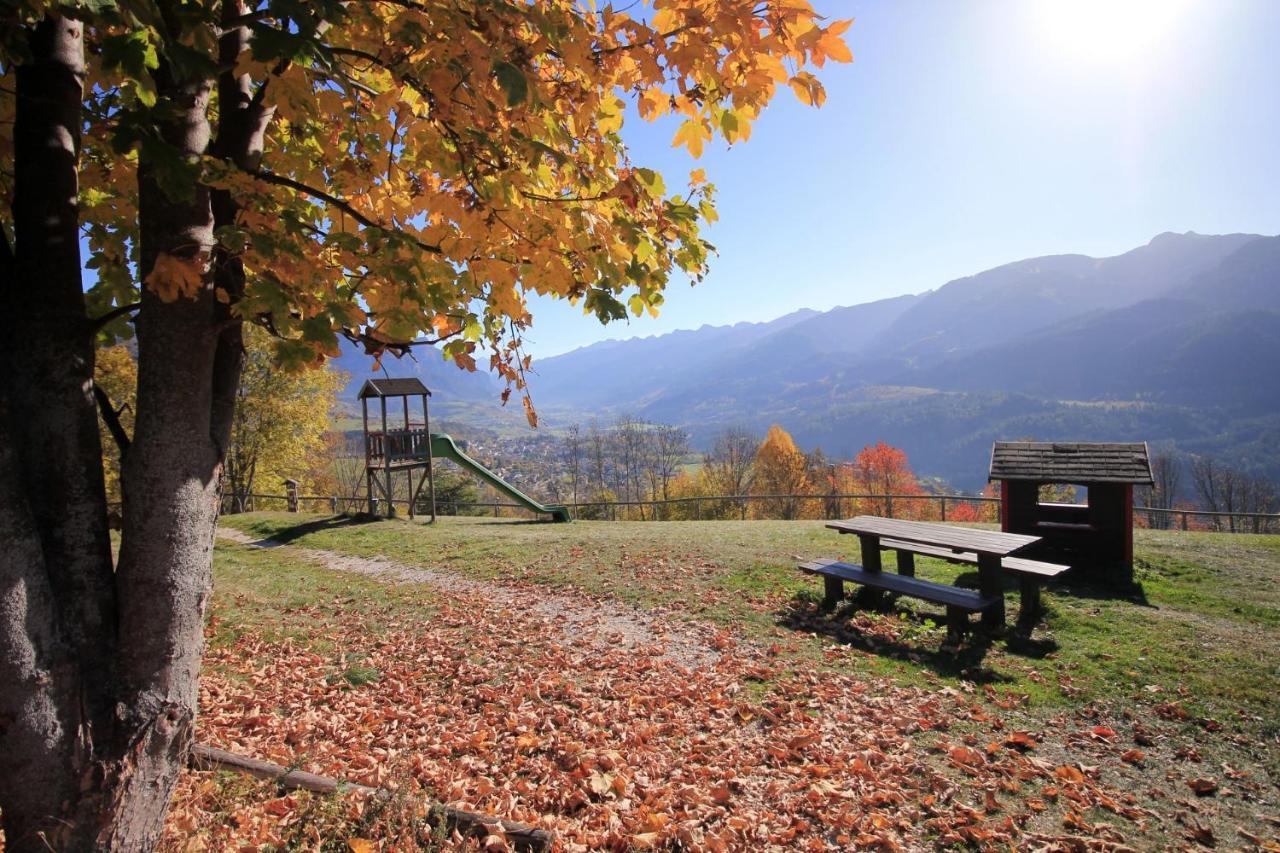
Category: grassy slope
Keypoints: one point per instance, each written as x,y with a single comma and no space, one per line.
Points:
1200,626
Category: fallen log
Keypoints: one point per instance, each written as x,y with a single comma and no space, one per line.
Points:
521,836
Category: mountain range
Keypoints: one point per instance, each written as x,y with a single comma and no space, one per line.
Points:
1175,342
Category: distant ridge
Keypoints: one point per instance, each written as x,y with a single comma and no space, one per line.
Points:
1175,340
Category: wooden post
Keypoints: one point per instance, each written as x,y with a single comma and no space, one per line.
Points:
333,505
386,461
907,564
368,469
1128,525
1004,505
1029,603
1184,519
870,547
943,500
832,592
989,584
431,474
291,495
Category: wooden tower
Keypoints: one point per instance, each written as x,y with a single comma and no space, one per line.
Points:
391,452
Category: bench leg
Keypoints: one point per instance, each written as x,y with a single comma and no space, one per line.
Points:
907,564
1029,605
957,621
991,586
833,592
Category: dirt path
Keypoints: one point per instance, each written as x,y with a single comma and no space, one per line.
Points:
578,620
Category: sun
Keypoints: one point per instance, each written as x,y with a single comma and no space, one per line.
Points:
1108,35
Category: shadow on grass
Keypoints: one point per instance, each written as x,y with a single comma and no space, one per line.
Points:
1095,584
804,613
333,522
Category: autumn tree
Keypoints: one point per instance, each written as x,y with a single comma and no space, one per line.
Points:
781,472
392,171
115,382
281,418
882,471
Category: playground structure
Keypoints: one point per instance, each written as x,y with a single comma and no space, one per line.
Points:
1099,532
390,453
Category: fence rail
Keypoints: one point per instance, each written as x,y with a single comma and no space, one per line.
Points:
712,507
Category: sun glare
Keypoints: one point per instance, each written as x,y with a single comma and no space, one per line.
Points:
1109,34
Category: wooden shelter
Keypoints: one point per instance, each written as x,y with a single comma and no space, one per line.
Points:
390,452
1098,532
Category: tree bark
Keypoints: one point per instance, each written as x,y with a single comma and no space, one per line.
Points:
171,481
57,607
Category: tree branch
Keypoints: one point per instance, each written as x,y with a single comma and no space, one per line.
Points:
97,323
344,206
111,417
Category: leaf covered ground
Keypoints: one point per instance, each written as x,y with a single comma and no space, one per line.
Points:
634,686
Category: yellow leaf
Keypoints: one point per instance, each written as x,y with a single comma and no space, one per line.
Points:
610,115
360,845
529,414
691,135
653,103
172,276
808,89
697,176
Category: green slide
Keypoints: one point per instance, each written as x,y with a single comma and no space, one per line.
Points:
443,447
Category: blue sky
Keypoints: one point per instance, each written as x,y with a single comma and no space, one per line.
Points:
966,135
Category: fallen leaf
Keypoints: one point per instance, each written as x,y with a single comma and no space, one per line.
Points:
1070,774
1203,787
1133,756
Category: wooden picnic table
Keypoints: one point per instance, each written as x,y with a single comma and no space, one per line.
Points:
989,547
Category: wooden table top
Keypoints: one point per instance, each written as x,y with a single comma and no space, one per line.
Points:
927,533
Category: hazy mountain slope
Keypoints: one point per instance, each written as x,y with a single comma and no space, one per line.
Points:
1166,350
612,372
1247,279
446,381
1009,301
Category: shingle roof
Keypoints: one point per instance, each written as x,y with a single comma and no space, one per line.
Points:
392,388
1059,462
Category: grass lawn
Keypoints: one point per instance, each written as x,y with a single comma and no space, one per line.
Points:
1143,687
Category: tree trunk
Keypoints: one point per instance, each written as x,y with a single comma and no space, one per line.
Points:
57,608
100,669
186,388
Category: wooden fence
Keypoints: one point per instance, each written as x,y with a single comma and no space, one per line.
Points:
720,507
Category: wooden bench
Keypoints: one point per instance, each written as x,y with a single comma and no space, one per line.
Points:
1031,574
958,602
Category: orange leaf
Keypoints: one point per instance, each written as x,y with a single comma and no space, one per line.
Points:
1133,756
1069,774
1021,740
965,755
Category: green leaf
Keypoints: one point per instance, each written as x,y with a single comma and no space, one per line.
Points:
512,81
652,181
